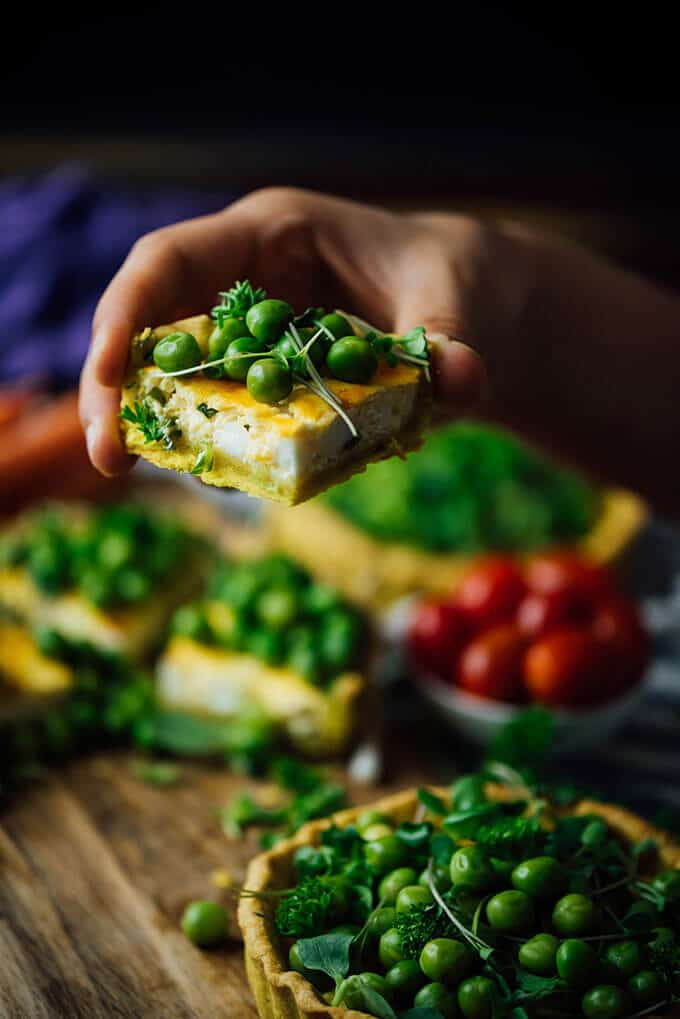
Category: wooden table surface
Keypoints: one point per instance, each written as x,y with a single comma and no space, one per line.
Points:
95,871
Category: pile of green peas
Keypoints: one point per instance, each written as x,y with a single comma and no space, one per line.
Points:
528,914
280,615
118,556
265,330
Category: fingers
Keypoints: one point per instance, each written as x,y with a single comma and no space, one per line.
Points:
459,376
99,407
168,274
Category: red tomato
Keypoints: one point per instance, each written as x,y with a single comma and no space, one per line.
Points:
618,627
490,592
491,664
538,614
557,572
568,667
436,636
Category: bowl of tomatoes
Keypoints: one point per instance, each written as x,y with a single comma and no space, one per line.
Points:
556,630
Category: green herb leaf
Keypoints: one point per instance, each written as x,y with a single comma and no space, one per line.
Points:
184,734
145,419
530,986
328,953
160,773
434,803
414,342
204,461
308,317
207,411
441,848
421,1012
237,301
525,741
415,836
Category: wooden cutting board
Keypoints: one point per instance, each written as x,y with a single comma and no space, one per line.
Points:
95,871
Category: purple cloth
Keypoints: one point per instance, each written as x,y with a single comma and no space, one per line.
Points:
62,237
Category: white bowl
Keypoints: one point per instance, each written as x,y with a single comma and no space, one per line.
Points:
478,719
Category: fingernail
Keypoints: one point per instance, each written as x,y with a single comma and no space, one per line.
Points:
91,436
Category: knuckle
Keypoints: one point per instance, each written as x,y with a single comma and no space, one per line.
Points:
278,200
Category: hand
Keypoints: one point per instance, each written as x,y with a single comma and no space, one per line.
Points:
396,271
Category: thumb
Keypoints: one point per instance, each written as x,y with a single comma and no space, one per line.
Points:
458,372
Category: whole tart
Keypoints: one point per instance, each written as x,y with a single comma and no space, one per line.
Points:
376,573
284,994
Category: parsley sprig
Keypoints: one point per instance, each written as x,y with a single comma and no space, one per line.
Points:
153,426
237,301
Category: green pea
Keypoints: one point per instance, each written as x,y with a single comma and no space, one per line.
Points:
440,875
176,352
384,854
268,319
390,950
646,988
368,817
339,639
510,911
392,883
336,324
221,336
352,360
605,1002
446,960
413,895
573,915
477,998
438,997
317,351
667,883
538,954
576,962
320,599
470,869
376,831
379,921
235,365
190,621
350,993
205,923
265,645
277,607
268,381
403,980
622,960
131,585
541,877
594,833
468,792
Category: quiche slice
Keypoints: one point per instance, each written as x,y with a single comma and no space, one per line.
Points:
286,451
109,576
281,993
267,640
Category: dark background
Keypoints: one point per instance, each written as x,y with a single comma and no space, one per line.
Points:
543,110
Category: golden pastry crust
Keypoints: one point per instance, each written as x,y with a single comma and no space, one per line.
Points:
283,994
375,573
302,416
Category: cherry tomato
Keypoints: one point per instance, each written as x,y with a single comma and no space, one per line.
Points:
538,614
436,636
618,627
491,664
490,592
567,667
564,572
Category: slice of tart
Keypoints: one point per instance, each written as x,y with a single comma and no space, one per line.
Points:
270,641
109,576
285,431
